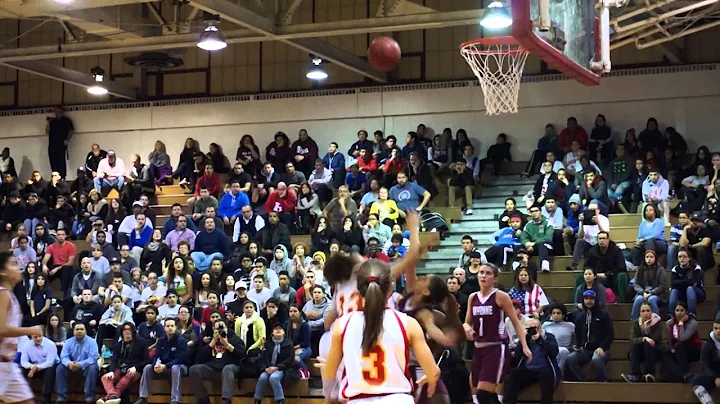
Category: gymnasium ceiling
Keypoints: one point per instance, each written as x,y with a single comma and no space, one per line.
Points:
100,27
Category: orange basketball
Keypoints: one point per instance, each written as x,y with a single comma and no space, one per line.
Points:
384,53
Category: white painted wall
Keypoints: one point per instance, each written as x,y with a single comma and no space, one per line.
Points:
688,100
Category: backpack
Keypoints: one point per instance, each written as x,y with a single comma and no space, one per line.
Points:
432,220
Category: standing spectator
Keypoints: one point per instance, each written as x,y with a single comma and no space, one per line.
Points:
573,132
651,235
210,243
223,355
129,356
276,361
686,282
696,238
170,358
62,253
283,202
305,152
231,204
79,354
685,344
537,237
335,162
564,332
497,154
462,180
408,195
649,342
39,359
593,338
543,369
600,144
111,172
59,130
651,285
656,191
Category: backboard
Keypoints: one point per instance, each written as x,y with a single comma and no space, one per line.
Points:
571,42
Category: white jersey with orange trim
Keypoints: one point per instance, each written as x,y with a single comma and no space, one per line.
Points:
347,297
385,370
9,346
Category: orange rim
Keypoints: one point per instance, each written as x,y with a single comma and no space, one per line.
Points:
468,47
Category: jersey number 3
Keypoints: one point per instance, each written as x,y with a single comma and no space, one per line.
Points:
374,366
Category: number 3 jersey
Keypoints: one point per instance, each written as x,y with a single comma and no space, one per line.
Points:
385,369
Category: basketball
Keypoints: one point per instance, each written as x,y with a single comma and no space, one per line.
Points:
384,53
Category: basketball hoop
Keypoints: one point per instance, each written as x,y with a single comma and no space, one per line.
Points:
498,64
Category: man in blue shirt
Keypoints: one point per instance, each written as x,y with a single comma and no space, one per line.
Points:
409,195
169,359
676,231
335,161
39,359
356,182
79,354
231,204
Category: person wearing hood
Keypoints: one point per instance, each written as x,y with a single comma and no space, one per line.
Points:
686,282
650,139
537,237
608,261
651,235
316,310
305,152
210,243
42,239
651,285
593,338
655,190
709,379
649,342
281,261
279,152
38,185
685,344
273,234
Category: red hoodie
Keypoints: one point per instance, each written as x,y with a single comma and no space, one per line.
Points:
212,184
566,138
366,167
278,204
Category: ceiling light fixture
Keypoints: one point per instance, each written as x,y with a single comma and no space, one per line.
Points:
98,89
496,16
212,39
316,72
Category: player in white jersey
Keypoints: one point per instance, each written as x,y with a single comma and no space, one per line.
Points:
374,345
13,386
340,273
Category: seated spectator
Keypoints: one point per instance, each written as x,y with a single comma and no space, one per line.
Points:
13,214
36,210
151,329
304,292
250,327
564,332
537,237
159,160
181,233
564,190
396,250
259,293
270,277
572,156
651,235
693,188
593,338
676,231
155,253
110,173
274,233
320,180
510,210
24,253
40,301
114,317
55,331
349,233
543,370
335,162
408,195
170,308
231,204
210,243
280,260
655,191
210,180
140,181
308,208
88,312
686,282
391,166
709,378
651,285
573,132
82,183
362,143
550,158
139,237
315,311
169,358
497,154
177,277
276,361
79,354
284,293
510,330
590,282
696,238
39,360
375,229
129,355
462,180
592,223
532,298
386,209
649,342
283,201
453,285
202,202
93,158
638,175
129,224
62,253
468,247
685,344
439,156
340,207
505,242
249,223
594,189
544,186
222,355
292,178
418,171
555,217
608,261
298,332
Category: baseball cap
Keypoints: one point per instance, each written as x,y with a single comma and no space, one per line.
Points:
261,260
114,260
590,293
137,203
111,152
515,219
474,254
240,284
696,217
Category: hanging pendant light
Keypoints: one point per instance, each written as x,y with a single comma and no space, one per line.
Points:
211,38
98,89
496,16
316,72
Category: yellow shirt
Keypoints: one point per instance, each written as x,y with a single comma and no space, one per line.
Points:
385,210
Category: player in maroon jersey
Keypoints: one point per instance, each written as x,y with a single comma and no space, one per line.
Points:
485,326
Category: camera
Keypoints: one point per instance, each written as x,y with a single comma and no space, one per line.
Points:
532,331
588,217
221,331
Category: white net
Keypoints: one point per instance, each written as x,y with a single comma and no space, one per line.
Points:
499,68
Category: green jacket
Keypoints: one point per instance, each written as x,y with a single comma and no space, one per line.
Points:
537,232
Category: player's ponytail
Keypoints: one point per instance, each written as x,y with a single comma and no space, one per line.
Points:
374,285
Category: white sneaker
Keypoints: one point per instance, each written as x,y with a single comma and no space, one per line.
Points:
545,266
468,211
184,181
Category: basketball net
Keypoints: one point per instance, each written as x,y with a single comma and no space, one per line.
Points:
498,64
